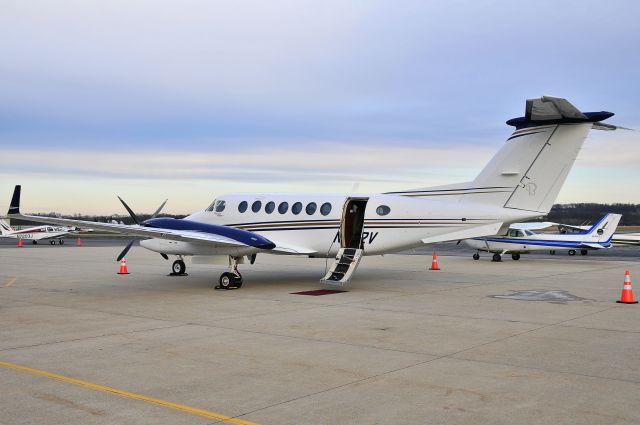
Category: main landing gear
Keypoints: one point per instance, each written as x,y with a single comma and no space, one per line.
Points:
497,257
231,279
53,242
178,268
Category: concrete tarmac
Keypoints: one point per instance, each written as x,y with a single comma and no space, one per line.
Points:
537,341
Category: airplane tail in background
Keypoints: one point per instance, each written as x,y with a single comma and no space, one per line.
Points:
5,228
528,172
605,227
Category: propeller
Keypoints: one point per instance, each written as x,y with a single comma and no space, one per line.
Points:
134,217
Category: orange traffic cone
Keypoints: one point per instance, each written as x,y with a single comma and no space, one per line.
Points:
627,293
123,267
79,243
434,262
19,243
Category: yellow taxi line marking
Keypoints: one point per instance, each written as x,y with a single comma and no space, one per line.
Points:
10,282
128,394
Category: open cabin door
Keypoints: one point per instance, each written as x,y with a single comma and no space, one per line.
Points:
351,244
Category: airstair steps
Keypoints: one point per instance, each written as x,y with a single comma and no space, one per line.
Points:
345,265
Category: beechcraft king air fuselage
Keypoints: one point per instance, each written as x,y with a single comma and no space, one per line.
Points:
520,182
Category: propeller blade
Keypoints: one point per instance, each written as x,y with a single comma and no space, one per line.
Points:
165,256
131,213
159,209
124,251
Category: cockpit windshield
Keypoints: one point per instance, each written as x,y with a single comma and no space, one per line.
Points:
217,205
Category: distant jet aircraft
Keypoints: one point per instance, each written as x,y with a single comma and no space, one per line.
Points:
520,240
520,182
35,234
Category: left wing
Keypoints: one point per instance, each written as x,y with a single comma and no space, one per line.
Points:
161,228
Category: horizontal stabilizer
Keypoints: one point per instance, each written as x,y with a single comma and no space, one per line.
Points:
474,232
592,245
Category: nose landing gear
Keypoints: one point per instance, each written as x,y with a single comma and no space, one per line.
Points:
231,279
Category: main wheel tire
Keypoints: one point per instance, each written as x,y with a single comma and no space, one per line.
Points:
52,242
552,252
35,242
584,252
497,258
572,252
476,256
227,280
60,242
515,257
178,267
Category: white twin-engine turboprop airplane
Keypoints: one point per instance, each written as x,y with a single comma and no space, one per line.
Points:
520,182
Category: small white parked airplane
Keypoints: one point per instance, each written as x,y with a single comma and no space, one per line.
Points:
520,182
617,239
37,233
520,240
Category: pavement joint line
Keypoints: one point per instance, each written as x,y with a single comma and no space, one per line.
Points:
10,282
92,337
127,394
564,372
449,355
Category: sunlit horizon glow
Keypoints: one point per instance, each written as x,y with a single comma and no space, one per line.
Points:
189,100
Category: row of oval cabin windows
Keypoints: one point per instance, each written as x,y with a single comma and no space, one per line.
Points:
296,208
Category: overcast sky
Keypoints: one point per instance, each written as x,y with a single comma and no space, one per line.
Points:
192,99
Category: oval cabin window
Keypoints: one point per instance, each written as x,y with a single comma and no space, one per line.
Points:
283,207
242,207
325,209
255,207
383,210
311,208
270,207
296,208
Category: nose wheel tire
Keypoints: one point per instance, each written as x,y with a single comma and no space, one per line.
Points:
476,256
584,252
178,268
35,242
52,242
497,258
515,257
572,252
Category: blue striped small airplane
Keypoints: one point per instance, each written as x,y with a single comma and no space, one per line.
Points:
519,241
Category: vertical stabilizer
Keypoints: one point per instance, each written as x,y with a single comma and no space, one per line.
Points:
534,163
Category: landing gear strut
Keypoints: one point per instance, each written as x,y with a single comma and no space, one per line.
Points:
231,279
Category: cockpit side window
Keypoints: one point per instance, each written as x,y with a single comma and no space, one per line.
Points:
219,206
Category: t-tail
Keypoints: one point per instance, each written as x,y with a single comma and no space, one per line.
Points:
528,172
